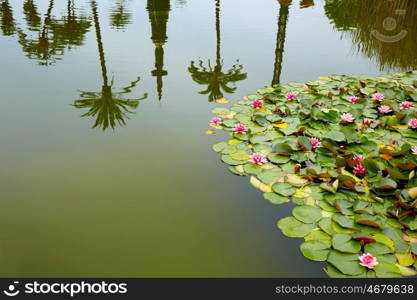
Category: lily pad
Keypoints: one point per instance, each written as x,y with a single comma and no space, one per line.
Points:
291,227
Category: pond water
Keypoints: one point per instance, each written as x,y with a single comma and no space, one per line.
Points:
106,168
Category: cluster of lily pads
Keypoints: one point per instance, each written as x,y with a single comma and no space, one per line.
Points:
343,149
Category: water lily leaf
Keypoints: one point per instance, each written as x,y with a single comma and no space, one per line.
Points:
406,259
346,263
373,221
318,235
282,148
275,198
240,155
385,184
280,125
307,214
253,169
332,272
259,185
410,222
218,147
325,224
377,249
344,221
315,250
339,229
237,170
278,159
305,143
296,180
396,236
335,136
345,243
406,271
220,111
363,237
230,161
383,239
291,227
271,176
283,188
222,101
387,270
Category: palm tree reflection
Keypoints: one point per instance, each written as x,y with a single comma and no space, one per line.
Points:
216,80
8,24
120,16
281,33
45,48
32,17
389,19
47,42
107,107
72,28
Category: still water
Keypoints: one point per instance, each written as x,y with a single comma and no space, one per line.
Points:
106,170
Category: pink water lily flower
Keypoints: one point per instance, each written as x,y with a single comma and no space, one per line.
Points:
353,99
216,121
368,260
358,158
291,96
347,118
239,128
315,142
405,105
359,169
385,109
258,159
378,97
413,123
414,150
257,104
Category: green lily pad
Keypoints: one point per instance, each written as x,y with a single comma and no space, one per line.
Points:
291,227
275,198
307,214
283,188
347,264
315,250
345,243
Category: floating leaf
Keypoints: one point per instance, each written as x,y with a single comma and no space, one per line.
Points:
345,243
348,264
315,250
283,188
291,227
307,214
275,198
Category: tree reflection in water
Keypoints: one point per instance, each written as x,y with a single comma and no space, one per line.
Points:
107,107
385,30
120,17
216,80
8,24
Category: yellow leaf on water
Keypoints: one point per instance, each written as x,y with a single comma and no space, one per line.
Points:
217,126
222,101
260,185
400,127
209,132
325,78
228,116
234,142
280,125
